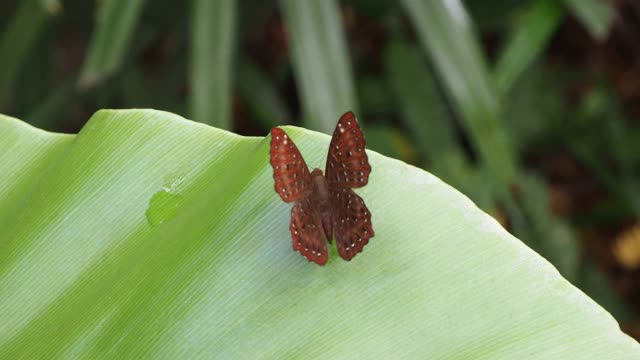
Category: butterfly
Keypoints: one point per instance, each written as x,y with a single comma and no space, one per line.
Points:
325,205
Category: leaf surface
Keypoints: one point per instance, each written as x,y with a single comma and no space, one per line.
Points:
147,235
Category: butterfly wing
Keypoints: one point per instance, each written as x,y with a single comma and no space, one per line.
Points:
347,162
307,233
348,167
351,222
290,172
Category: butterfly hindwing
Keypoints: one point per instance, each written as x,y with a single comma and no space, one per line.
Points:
351,222
307,233
290,172
347,162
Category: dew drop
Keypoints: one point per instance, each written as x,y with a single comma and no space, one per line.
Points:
164,204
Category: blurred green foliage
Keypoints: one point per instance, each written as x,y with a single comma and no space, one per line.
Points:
461,89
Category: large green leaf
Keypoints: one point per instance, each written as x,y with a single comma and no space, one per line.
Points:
147,235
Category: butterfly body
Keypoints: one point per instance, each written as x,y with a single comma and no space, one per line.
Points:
322,202
325,204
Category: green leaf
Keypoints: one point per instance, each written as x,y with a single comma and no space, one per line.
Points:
390,142
150,236
596,285
473,181
446,33
49,110
116,22
531,34
550,236
493,16
211,54
260,95
18,36
535,107
596,15
421,103
374,94
599,109
321,61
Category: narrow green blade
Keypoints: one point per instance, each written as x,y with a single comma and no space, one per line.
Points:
260,95
116,21
211,54
321,61
447,34
422,106
529,38
596,15
18,36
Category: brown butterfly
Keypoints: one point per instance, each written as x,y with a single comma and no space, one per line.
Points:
325,206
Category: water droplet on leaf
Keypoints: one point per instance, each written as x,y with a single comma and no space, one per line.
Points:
164,204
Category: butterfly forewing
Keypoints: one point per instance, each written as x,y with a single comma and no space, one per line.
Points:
306,232
347,162
351,222
290,172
